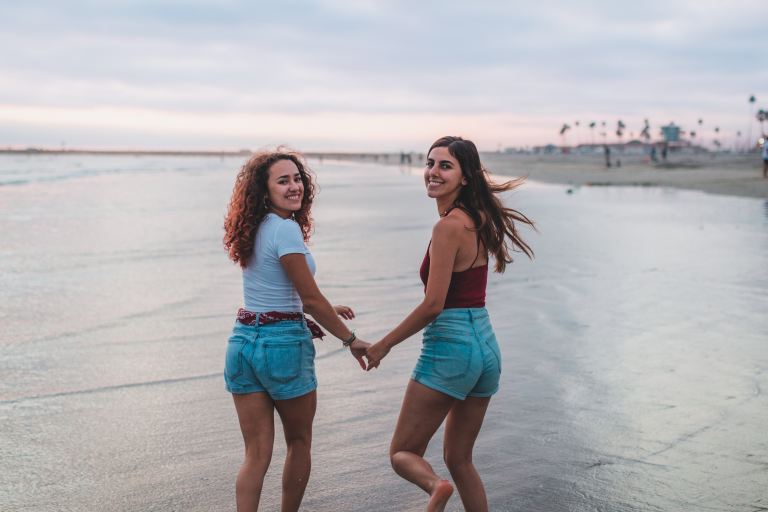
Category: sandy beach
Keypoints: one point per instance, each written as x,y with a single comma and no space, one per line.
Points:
633,346
726,174
734,174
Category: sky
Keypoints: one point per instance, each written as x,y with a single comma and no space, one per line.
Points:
368,75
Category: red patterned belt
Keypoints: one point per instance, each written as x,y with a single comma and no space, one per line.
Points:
270,317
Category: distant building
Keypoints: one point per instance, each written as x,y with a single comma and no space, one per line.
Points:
549,149
673,138
635,147
671,133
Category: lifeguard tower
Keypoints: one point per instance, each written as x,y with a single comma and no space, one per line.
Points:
671,133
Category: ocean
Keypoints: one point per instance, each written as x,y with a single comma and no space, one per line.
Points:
635,345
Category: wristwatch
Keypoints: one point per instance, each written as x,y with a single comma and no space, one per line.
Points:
352,337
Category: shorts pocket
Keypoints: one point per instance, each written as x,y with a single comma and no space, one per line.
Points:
447,331
233,360
283,361
449,358
496,352
310,347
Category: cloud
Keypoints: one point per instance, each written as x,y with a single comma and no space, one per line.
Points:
537,61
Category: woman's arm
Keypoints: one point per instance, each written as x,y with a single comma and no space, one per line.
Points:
445,247
315,304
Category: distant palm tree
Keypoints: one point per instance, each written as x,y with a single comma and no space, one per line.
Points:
762,116
578,132
592,130
715,140
646,133
752,101
620,126
563,130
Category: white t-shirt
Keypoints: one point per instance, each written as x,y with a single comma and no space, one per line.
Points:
266,286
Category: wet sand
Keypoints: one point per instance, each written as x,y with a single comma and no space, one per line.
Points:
735,174
725,174
633,347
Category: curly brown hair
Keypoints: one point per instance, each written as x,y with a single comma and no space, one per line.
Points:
248,205
479,198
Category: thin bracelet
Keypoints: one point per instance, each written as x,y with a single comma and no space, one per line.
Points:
352,337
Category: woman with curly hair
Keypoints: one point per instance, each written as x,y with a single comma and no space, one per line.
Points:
460,362
270,356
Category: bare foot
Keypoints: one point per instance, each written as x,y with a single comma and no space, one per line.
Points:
439,496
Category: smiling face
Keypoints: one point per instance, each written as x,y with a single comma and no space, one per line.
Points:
286,190
442,175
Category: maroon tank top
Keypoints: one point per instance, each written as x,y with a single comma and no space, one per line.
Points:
467,288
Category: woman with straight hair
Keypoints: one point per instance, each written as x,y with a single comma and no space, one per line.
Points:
270,356
460,364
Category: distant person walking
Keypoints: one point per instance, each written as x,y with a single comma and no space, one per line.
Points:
460,362
765,157
654,158
270,358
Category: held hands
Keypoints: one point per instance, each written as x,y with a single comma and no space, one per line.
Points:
362,349
358,349
375,354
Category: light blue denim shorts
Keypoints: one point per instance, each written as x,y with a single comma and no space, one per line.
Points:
459,354
277,359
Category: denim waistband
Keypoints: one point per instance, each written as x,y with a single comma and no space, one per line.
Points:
459,318
466,314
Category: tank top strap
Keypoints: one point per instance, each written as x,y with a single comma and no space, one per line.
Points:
460,207
477,254
449,210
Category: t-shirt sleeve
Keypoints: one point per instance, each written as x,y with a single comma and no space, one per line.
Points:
288,239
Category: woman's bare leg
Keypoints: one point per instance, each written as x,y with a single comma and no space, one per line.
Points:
461,430
421,414
255,411
297,415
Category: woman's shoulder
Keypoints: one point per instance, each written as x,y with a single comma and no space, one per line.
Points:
287,226
448,226
275,227
279,222
456,221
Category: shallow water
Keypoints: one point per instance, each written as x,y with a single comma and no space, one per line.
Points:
635,346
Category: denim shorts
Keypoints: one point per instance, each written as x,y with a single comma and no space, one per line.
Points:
277,359
459,354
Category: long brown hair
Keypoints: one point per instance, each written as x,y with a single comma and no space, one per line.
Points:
495,223
249,204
